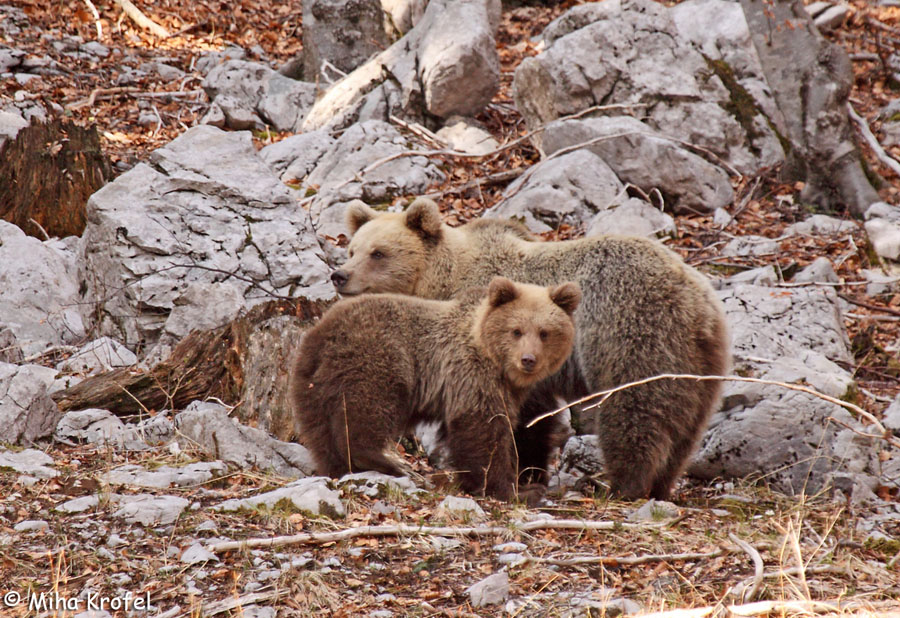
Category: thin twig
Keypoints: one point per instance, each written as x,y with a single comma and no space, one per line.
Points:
760,608
404,529
491,179
605,394
872,141
865,305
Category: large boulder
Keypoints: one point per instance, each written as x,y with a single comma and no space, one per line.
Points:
39,302
207,210
26,410
630,53
644,157
447,64
796,442
248,95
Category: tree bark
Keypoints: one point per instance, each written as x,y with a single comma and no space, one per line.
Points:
47,174
244,363
810,79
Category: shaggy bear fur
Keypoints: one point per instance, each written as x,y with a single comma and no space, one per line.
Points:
376,365
644,313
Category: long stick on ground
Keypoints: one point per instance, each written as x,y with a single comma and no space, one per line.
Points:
606,394
142,20
311,538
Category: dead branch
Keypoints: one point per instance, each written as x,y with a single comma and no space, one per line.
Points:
96,16
866,305
142,20
760,608
872,141
614,561
741,591
606,394
311,538
492,179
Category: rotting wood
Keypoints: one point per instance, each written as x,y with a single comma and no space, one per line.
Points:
204,364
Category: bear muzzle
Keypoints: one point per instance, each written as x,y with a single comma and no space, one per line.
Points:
528,362
339,279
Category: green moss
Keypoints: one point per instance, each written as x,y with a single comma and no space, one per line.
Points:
742,105
885,547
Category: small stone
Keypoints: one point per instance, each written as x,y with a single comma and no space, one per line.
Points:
78,505
512,559
197,553
654,511
31,525
491,590
744,246
819,270
510,547
114,540
454,506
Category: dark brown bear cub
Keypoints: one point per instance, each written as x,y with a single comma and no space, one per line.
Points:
376,365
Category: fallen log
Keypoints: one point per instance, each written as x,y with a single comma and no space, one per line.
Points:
244,363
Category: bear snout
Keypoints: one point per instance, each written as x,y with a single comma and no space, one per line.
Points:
339,278
529,362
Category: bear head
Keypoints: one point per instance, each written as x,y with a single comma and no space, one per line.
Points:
388,251
527,329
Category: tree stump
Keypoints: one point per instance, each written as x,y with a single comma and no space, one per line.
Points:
47,174
245,363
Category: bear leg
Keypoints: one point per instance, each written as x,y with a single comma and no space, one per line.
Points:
534,445
482,452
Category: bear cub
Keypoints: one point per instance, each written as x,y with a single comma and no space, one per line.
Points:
376,365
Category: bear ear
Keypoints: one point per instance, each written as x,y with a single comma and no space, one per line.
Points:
567,296
423,217
501,291
358,214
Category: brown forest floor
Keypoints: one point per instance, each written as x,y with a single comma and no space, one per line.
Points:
424,578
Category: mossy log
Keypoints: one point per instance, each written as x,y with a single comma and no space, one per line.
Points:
245,363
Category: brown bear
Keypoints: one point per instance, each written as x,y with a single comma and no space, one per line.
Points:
375,366
644,312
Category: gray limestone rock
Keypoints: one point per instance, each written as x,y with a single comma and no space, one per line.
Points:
883,227
295,157
819,270
821,225
447,64
647,159
632,54
250,95
208,210
165,476
466,135
764,275
207,426
750,245
98,356
784,436
654,511
26,410
38,296
764,322
30,462
633,217
93,426
491,590
310,495
569,189
149,510
454,506
196,553
343,173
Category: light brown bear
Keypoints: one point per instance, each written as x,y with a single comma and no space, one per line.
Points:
644,312
375,366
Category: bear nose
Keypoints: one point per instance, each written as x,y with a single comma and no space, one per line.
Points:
528,362
339,278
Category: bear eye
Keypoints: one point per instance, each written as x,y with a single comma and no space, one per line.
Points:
350,253
543,335
377,254
517,333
